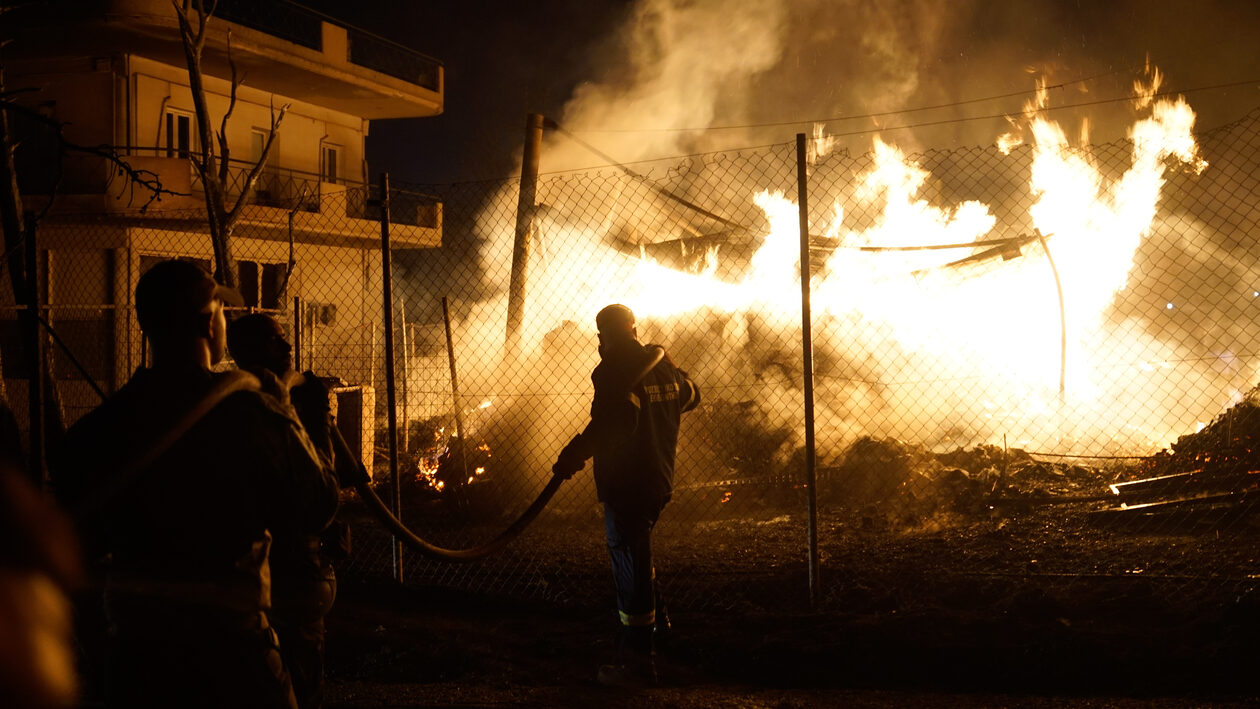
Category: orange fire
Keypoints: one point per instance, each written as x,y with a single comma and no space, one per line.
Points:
1092,227
924,344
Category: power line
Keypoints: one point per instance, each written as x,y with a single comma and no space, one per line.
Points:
907,126
880,114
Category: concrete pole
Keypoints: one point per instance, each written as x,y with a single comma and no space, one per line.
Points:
524,232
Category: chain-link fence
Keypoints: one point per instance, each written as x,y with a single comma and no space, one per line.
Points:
1005,348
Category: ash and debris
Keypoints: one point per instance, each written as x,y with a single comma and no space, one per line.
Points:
1229,444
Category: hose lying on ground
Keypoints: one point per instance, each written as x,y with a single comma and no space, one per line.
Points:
406,536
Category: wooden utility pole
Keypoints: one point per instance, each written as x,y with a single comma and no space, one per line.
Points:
524,232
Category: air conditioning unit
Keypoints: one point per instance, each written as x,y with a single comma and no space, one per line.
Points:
354,407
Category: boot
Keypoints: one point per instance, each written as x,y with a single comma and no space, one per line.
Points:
634,666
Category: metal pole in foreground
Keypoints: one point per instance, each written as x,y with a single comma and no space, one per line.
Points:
807,355
34,353
387,296
524,232
297,334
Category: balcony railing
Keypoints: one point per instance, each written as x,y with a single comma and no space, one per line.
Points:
303,26
285,20
289,189
378,54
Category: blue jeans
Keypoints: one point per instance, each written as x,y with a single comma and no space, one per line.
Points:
629,536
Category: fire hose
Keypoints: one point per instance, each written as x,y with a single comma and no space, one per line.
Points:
239,380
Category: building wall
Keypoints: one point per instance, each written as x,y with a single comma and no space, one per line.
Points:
158,87
77,92
122,100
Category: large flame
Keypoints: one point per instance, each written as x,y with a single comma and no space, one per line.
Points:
998,326
964,349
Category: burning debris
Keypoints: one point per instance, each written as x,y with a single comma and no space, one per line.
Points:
1206,479
445,462
909,482
1226,447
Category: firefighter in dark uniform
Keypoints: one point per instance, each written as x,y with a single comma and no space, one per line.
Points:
633,434
181,479
303,583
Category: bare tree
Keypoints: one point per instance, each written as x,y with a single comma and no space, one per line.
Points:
212,158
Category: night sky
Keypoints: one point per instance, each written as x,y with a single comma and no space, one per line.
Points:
650,64
502,60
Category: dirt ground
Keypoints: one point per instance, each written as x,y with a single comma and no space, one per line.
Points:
974,579
1035,608
392,646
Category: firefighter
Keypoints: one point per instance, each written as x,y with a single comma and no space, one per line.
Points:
304,585
633,434
181,479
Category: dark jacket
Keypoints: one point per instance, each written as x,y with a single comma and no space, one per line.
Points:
195,524
633,434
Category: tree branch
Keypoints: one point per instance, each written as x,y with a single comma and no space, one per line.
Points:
252,178
225,153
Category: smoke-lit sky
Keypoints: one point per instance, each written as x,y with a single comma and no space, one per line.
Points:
644,65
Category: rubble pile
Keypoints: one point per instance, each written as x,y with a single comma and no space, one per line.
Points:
1229,444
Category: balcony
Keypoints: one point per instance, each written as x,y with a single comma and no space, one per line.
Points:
332,213
283,48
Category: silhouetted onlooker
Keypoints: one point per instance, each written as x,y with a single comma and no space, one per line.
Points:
304,585
184,484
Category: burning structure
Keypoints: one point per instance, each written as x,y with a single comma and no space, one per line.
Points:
959,298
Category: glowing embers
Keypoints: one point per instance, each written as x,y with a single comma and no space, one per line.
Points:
444,461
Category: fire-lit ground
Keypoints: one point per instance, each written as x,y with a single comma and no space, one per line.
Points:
1033,611
960,593
431,649
981,577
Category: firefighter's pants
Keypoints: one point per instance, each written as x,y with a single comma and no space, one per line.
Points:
629,537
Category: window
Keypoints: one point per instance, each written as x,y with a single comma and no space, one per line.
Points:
261,284
178,134
329,159
267,189
257,143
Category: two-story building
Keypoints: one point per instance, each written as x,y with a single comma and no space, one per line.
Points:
112,72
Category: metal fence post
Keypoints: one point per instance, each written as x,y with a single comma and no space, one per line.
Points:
387,297
34,352
297,334
807,357
524,231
